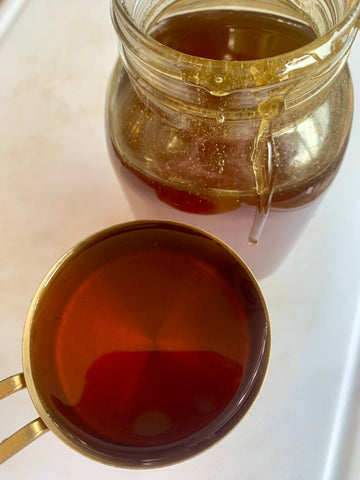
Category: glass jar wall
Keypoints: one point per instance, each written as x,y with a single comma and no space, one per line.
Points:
220,105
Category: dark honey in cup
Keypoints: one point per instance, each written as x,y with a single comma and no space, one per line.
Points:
145,344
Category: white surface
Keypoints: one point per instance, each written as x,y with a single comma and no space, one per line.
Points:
57,186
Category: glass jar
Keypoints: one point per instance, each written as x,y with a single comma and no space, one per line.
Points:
210,135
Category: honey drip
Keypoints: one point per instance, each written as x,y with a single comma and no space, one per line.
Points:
262,162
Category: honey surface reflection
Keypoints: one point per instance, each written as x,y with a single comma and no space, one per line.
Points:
142,353
235,34
153,397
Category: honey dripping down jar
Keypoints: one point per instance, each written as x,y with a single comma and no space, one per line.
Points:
236,113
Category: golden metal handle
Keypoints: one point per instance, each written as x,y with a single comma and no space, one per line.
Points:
25,435
12,384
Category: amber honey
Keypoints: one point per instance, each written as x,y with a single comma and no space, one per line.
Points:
232,35
200,165
146,339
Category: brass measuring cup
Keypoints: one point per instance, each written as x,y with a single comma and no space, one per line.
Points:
59,276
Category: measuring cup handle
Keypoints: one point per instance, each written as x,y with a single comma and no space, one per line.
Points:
25,435
12,384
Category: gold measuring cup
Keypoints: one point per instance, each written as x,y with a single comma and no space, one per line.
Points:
43,373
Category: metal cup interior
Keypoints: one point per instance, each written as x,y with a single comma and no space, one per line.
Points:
58,283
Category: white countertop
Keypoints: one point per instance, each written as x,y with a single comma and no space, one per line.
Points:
57,186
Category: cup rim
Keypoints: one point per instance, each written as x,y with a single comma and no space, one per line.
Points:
251,390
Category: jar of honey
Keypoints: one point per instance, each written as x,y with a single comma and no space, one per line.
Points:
220,105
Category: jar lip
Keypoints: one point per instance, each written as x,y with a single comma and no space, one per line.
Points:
318,50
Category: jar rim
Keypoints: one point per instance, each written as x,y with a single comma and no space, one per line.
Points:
335,42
